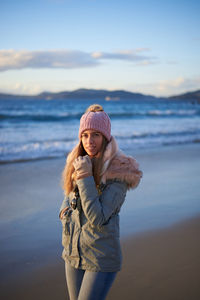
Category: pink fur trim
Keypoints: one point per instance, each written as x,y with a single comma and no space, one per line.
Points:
119,166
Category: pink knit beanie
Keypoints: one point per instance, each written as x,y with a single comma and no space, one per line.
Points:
96,120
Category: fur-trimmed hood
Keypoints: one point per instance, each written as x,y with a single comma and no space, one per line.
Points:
116,165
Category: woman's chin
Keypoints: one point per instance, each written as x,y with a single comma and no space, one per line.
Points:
92,154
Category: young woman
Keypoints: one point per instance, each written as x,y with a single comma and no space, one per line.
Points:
95,180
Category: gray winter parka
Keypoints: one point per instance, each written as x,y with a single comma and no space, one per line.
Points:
90,234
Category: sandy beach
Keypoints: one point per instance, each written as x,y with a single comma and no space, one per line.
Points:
161,252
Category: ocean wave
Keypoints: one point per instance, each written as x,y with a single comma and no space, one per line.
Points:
37,145
55,154
66,116
139,135
40,117
170,112
157,113
34,150
13,152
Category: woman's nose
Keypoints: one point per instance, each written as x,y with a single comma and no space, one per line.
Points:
90,139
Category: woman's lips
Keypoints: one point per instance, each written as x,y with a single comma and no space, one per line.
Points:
91,148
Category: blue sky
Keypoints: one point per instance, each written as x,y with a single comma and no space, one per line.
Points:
152,47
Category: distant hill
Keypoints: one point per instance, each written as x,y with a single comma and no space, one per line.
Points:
16,97
190,96
91,94
83,94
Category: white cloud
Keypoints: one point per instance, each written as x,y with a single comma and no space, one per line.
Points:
165,88
12,59
178,85
66,59
21,88
129,55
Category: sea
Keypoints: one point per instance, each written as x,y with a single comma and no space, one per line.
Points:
41,129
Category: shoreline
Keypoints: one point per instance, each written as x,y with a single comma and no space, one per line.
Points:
137,151
168,270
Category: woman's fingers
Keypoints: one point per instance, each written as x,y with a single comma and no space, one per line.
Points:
63,211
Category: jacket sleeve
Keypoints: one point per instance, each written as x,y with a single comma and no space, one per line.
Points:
64,204
99,208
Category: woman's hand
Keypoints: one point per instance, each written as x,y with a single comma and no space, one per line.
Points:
63,212
83,166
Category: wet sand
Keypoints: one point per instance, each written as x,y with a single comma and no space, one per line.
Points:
163,264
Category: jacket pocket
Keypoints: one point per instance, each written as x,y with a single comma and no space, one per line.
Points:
66,232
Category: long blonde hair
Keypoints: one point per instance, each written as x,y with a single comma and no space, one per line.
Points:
68,174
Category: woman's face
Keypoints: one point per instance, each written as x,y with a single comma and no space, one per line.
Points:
92,142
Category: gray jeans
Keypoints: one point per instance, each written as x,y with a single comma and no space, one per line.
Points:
87,285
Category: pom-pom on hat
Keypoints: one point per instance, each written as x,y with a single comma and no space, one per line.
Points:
95,118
